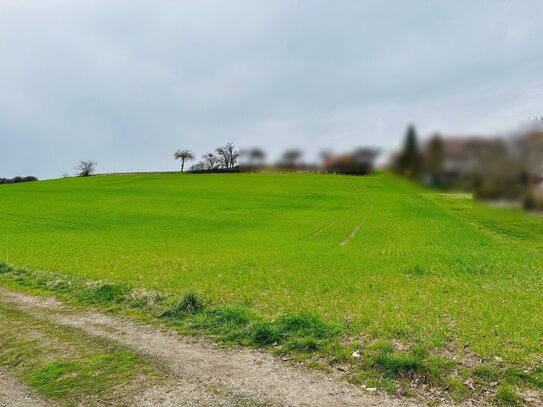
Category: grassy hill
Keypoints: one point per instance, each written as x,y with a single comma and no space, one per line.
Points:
388,260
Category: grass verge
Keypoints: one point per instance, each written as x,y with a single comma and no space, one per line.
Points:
301,337
69,367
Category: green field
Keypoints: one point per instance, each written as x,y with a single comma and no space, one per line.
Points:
387,259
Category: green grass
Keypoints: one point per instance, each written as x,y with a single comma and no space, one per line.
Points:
65,379
506,396
426,269
69,367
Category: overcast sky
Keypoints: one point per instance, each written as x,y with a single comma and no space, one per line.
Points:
127,82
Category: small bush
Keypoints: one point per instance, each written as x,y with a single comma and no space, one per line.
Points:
189,304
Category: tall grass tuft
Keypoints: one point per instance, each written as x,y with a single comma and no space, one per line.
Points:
4,268
103,293
190,304
506,396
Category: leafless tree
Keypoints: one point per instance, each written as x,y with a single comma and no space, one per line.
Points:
199,166
184,155
210,161
228,155
86,168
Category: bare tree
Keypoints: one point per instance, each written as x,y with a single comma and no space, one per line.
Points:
184,155
210,161
228,155
199,166
86,168
233,154
223,156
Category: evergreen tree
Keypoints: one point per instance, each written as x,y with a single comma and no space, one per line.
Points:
409,161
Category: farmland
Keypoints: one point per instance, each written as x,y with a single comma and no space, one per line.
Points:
386,259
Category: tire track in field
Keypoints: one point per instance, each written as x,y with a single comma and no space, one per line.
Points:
354,232
340,217
331,224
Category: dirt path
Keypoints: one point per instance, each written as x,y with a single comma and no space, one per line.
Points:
13,393
204,373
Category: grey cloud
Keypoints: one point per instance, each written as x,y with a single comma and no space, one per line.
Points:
128,82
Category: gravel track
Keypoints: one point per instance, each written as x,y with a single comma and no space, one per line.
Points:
202,372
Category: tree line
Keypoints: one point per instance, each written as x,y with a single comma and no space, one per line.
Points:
16,180
223,159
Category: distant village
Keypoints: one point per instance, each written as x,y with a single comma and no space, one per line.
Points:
507,170
504,169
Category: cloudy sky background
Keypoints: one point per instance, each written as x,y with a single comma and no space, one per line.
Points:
127,82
